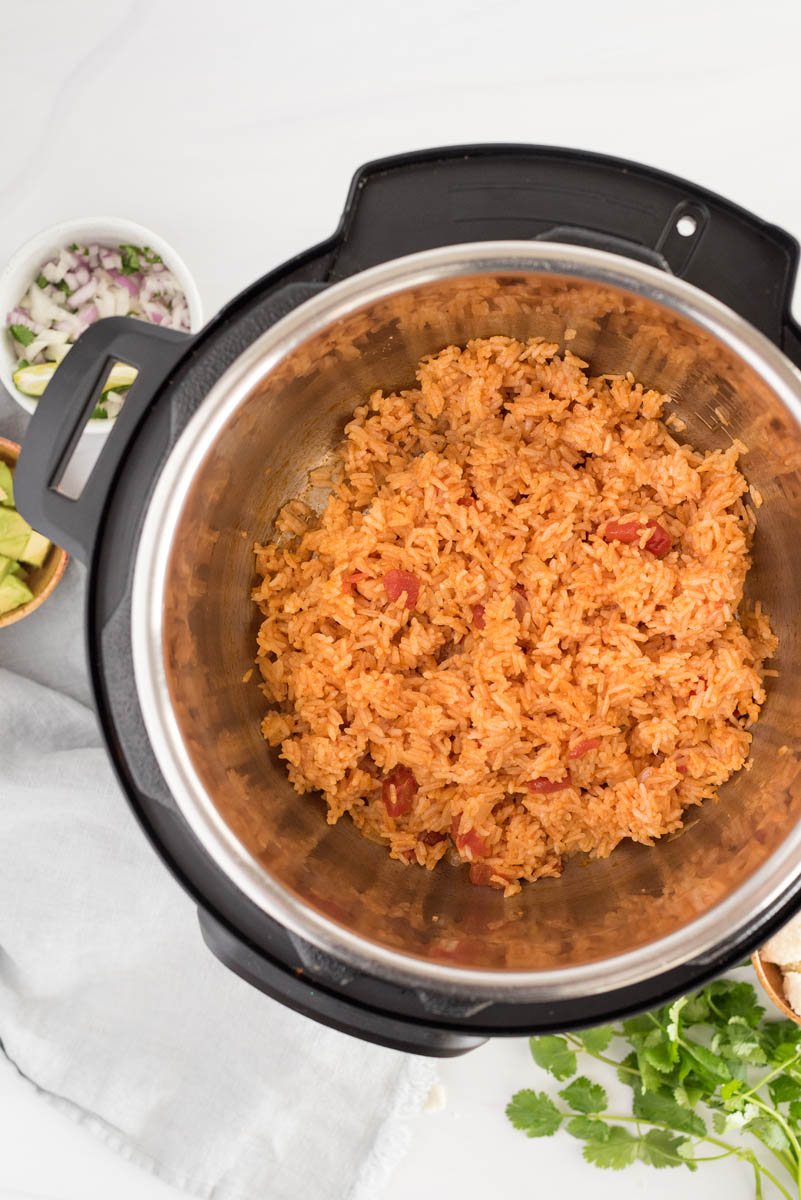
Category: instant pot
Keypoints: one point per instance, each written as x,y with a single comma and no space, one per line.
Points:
635,270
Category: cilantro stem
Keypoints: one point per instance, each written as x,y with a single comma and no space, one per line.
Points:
610,1062
776,1116
760,1083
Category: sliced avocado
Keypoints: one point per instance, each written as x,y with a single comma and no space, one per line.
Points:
6,485
5,566
13,593
14,533
36,549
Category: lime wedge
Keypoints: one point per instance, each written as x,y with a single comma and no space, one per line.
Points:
32,381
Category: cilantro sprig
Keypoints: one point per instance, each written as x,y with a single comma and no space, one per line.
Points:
132,254
703,1067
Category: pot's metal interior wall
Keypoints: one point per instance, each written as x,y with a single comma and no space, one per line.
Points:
287,427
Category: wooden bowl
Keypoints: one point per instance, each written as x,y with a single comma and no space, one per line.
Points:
770,976
41,580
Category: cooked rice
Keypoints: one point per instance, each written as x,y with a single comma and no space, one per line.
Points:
537,652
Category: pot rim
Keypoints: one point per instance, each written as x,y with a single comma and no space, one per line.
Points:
754,902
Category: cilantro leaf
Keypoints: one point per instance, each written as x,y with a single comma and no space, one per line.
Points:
584,1096
675,1019
688,1096
634,1025
588,1129
654,1106
769,1133
710,1064
596,1040
720,1122
795,1111
100,413
553,1054
784,1087
130,258
628,1070
534,1113
729,998
696,1010
685,1151
64,287
739,1040
150,256
22,334
619,1150
651,1077
41,281
660,1148
660,1056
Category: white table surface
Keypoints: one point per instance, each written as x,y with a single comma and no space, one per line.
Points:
233,129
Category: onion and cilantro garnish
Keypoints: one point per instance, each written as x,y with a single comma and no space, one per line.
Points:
701,1069
76,287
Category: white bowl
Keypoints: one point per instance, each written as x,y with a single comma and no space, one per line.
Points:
24,266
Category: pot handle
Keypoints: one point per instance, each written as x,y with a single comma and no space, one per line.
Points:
306,995
60,417
458,194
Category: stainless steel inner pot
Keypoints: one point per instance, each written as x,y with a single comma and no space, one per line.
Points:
274,415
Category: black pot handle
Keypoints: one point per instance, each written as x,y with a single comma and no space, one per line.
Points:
458,194
62,412
306,995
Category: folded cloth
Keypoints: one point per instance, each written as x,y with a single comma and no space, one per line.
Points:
111,1005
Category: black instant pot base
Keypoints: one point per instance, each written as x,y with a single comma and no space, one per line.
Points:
395,207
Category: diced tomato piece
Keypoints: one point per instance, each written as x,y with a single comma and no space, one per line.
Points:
619,531
398,790
467,502
398,582
408,855
470,840
627,532
682,768
473,842
481,874
543,786
520,601
660,540
478,616
432,838
583,747
349,580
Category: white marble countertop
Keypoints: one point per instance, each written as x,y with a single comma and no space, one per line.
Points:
233,129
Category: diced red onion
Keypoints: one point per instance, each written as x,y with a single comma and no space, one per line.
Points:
18,316
83,294
127,281
98,288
